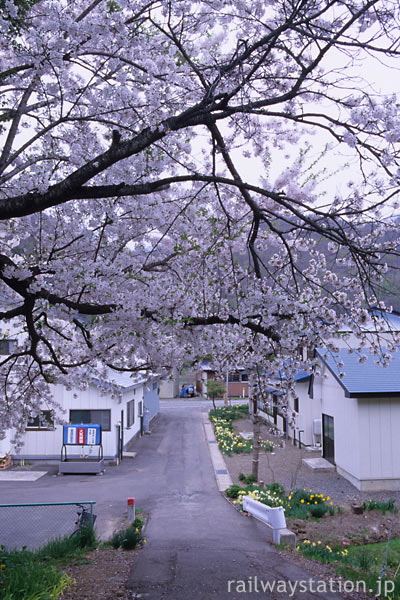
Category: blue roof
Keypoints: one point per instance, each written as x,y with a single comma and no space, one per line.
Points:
302,376
363,379
392,319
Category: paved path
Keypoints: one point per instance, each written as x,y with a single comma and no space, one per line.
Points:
197,543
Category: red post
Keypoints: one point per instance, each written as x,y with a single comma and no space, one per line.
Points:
131,509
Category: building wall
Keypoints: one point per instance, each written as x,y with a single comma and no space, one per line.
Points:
151,398
367,444
238,389
346,422
47,444
309,409
166,388
379,423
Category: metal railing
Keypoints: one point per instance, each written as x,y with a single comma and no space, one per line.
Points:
33,525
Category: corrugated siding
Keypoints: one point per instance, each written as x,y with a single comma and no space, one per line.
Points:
380,440
48,443
151,398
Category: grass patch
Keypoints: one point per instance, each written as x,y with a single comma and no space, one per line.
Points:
376,552
384,507
361,563
34,575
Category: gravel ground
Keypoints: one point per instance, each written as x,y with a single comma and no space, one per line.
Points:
285,466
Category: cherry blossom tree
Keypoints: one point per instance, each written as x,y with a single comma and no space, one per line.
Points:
161,194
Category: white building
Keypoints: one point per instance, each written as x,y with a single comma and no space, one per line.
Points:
359,406
123,417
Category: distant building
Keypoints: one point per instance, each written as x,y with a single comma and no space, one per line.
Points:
238,380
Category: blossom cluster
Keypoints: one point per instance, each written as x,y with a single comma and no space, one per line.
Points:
264,496
230,442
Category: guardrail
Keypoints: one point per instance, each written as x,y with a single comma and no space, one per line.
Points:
32,525
273,517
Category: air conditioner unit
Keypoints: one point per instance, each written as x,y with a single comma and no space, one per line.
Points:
317,432
317,427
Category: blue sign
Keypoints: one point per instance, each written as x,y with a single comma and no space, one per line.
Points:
82,435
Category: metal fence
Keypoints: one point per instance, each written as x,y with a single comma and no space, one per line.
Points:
33,525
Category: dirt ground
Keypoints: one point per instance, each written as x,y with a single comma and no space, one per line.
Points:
285,466
102,577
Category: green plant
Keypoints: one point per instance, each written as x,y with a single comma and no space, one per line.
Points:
323,553
251,478
297,512
229,413
247,478
65,548
339,510
128,538
317,510
233,491
363,559
277,488
215,389
137,523
388,506
24,575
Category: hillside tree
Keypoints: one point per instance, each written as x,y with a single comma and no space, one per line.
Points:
161,195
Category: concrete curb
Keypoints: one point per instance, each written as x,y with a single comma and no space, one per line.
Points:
220,470
224,479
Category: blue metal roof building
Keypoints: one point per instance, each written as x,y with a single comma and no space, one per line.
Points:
366,379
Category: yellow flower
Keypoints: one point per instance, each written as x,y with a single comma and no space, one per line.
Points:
302,501
2,566
144,541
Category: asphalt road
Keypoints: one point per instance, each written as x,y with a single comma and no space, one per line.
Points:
198,547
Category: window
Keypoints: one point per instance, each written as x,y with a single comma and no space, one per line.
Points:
43,421
7,346
130,413
296,405
140,409
245,377
234,377
94,417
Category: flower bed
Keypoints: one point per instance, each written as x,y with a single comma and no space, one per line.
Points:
301,503
228,441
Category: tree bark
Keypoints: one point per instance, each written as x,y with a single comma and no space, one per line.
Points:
256,441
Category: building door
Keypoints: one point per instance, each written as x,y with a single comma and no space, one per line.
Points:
328,438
